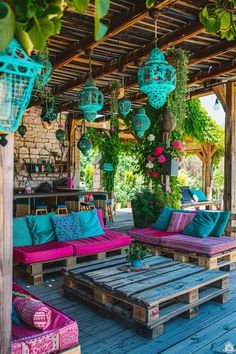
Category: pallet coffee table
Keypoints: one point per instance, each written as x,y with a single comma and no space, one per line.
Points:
150,297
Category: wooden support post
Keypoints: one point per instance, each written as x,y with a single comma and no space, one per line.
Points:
6,214
230,154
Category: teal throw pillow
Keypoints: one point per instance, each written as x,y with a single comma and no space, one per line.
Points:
221,224
201,197
21,233
66,228
163,219
41,228
89,223
202,224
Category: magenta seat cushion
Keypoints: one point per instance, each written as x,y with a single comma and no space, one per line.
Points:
32,312
208,246
107,242
61,334
41,253
148,235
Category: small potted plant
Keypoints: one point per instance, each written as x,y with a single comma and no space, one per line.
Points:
136,254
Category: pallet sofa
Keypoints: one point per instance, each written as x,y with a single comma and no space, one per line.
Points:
60,333
209,252
196,198
36,257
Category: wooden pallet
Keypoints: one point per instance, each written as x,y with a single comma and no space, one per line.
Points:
151,297
224,260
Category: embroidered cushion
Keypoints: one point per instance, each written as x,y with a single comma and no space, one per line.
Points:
163,220
221,224
41,228
32,312
21,233
202,224
66,227
179,220
89,223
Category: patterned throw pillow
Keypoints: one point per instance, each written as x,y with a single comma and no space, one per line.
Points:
178,221
66,228
32,312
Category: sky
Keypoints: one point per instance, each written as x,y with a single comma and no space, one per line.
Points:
208,103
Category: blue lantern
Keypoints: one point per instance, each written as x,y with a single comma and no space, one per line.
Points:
90,100
156,78
124,106
140,122
84,144
17,76
22,130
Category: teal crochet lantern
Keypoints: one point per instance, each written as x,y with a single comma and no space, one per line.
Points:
22,130
124,107
140,122
84,144
90,100
17,76
156,78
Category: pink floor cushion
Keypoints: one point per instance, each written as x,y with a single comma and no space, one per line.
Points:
41,253
208,246
60,335
148,235
107,242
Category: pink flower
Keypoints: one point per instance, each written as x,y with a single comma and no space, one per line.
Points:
154,174
161,159
177,145
150,158
158,150
180,159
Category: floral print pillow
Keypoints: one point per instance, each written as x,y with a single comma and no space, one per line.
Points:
67,228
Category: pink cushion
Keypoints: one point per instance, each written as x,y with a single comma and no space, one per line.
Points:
148,235
179,220
32,312
41,253
208,246
100,217
91,245
60,335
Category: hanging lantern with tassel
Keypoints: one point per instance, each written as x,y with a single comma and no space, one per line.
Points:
156,77
90,99
124,104
17,76
84,144
140,122
22,130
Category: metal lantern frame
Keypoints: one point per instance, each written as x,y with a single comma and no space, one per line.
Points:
90,98
84,144
124,104
140,122
17,76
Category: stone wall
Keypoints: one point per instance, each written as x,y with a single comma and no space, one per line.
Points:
37,145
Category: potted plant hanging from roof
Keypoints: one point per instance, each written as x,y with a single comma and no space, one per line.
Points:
136,254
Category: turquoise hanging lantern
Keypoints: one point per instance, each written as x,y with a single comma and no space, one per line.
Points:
22,130
45,75
17,76
140,122
84,144
124,106
49,113
60,133
90,99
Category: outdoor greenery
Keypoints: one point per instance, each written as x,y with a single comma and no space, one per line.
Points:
220,17
136,252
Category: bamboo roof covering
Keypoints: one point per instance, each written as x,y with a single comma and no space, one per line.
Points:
129,39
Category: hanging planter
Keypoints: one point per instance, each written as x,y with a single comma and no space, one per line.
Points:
17,76
140,122
22,130
45,75
49,113
60,133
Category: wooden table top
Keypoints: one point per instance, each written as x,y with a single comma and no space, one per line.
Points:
72,192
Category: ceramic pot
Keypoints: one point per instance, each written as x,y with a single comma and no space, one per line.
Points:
136,263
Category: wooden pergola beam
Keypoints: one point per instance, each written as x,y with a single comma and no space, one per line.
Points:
220,92
117,25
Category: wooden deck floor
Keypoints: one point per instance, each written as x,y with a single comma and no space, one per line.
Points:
207,333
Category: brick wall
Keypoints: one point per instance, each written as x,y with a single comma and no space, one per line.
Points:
36,145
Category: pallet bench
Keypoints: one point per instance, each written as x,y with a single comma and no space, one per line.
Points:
148,298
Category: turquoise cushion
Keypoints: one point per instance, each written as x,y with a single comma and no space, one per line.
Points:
66,228
21,233
200,194
163,219
41,228
202,224
221,224
89,223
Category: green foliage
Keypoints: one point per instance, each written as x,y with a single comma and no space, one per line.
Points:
36,20
88,175
220,17
136,252
201,127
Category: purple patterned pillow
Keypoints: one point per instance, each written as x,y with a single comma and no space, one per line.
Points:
32,312
66,228
179,220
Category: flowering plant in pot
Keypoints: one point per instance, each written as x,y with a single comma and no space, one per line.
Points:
136,254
